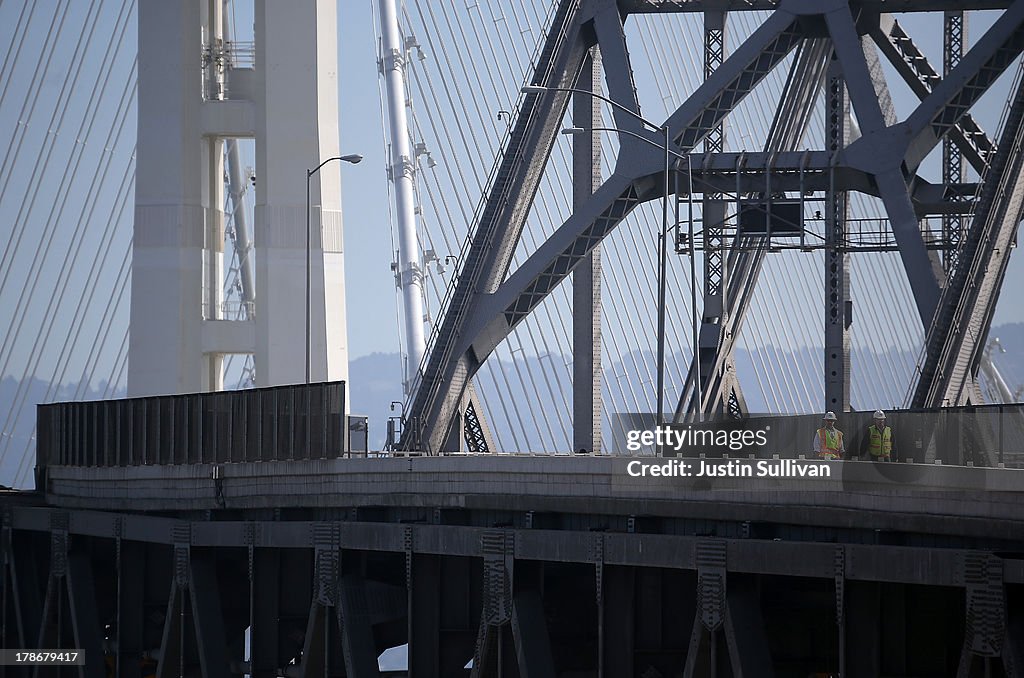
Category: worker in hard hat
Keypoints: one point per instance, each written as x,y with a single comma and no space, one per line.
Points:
878,442
828,440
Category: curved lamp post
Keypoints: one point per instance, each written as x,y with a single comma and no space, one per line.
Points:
353,158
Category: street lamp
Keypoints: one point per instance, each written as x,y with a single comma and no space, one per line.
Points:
662,247
662,253
354,159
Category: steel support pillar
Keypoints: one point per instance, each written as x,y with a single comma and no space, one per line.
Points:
954,36
207,616
131,597
172,643
863,608
314,648
619,627
586,277
714,207
838,306
703,655
530,632
424,609
266,611
85,618
356,633
713,216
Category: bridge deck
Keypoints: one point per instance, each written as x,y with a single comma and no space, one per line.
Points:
929,498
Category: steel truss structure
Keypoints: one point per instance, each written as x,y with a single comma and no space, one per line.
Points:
322,592
837,44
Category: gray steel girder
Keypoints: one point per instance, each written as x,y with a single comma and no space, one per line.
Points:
497,229
921,77
721,389
958,335
631,183
484,310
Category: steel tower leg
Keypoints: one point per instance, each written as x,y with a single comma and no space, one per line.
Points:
586,278
953,34
838,305
714,209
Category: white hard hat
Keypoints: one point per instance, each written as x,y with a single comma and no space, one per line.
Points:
879,414
830,416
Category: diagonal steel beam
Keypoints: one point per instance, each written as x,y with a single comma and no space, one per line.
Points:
957,337
923,272
921,77
729,84
555,258
628,186
618,73
858,79
498,227
478,320
720,390
950,100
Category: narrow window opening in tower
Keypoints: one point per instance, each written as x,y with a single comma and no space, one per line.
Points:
239,281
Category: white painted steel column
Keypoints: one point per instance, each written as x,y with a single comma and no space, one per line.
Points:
410,275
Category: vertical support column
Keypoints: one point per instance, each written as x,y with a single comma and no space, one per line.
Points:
131,608
840,592
207,615
85,618
213,254
586,277
165,347
619,622
266,603
713,215
356,632
598,554
837,275
863,608
423,576
296,129
714,207
954,36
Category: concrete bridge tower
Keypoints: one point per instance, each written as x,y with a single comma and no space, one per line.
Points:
192,98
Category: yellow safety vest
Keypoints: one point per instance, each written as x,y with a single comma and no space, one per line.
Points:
833,442
880,442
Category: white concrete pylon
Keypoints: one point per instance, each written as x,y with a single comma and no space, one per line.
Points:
297,128
289,104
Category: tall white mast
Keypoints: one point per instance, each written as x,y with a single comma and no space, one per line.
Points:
409,274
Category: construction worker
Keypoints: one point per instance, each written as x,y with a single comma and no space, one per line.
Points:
878,441
828,440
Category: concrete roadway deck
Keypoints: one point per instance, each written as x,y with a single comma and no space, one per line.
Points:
982,502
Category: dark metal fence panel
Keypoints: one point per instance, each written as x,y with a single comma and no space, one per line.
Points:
268,424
